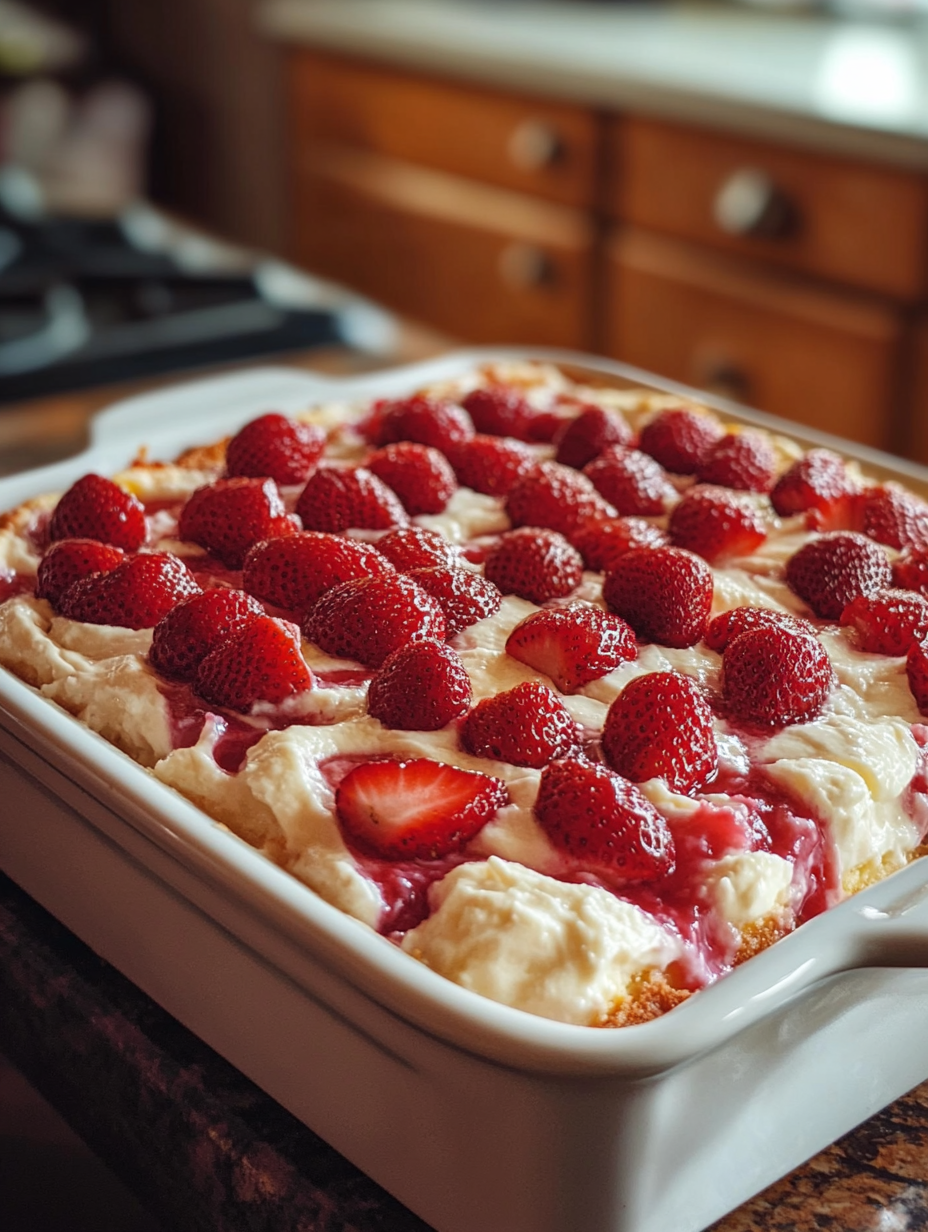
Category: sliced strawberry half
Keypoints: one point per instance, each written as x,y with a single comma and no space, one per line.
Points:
258,662
273,445
895,517
415,810
660,726
773,677
728,625
421,687
419,475
491,464
339,498
717,523
888,622
832,569
573,645
910,571
681,438
818,484
499,410
527,726
603,822
535,564
428,421
69,560
229,516
464,596
665,594
741,460
632,481
417,547
295,571
134,595
97,508
916,670
602,543
556,497
185,636
367,619
584,438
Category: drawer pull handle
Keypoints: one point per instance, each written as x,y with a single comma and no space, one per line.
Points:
524,266
534,145
721,375
749,203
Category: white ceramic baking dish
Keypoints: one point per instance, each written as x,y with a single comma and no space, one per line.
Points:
479,1117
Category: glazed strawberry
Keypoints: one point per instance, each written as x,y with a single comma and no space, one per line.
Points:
680,438
584,438
490,464
556,497
419,475
527,726
428,421
273,445
421,687
910,571
534,564
573,645
660,726
888,622
499,410
415,810
818,484
916,669
631,481
228,516
832,569
338,498
185,636
664,593
69,560
97,508
295,571
728,625
603,822
464,596
895,517
258,662
717,523
773,677
134,595
416,547
741,460
368,618
602,543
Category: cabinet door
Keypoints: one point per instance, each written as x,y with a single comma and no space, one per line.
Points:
917,408
544,148
805,353
861,224
476,262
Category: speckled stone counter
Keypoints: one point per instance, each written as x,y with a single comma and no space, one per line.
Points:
203,1148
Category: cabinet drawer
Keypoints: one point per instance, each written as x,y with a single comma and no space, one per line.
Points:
916,441
479,263
814,357
855,223
544,148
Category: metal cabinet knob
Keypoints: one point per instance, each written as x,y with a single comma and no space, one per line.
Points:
533,145
525,266
749,203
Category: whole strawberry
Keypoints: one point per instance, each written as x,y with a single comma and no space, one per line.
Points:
134,595
491,464
665,594
916,670
69,560
229,516
773,677
556,497
421,687
258,662
602,543
632,481
681,438
464,596
367,619
338,498
660,726
419,475
499,410
573,645
415,810
888,622
534,564
277,447
818,484
832,569
416,547
741,460
185,636
603,822
585,437
293,572
895,517
527,726
728,625
97,508
717,523
428,421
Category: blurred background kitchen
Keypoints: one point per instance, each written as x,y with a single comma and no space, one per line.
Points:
731,195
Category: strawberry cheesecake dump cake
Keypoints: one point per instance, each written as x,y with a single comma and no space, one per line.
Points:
581,696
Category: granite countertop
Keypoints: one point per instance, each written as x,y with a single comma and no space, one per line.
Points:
856,87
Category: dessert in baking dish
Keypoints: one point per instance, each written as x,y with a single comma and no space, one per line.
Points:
581,696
